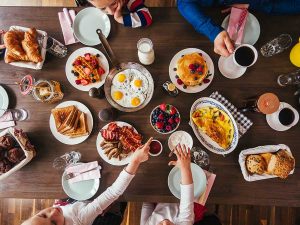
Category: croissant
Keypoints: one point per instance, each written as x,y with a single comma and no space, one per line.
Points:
12,41
31,46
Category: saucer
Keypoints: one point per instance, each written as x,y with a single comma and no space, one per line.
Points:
272,119
229,69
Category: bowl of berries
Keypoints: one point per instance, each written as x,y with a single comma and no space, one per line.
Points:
165,118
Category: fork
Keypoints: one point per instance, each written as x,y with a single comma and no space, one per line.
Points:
75,174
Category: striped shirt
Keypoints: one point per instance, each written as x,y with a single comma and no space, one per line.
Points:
138,16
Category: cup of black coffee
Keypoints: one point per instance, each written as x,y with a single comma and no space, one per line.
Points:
245,55
285,117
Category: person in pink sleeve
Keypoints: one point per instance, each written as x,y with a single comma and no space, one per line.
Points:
84,213
136,14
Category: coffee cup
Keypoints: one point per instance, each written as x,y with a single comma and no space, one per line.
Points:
284,118
245,55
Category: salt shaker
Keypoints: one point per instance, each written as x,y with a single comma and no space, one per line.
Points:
145,51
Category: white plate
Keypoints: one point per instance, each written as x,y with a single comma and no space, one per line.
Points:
68,140
206,140
230,70
81,190
113,161
87,21
80,52
199,179
186,139
173,66
251,31
3,100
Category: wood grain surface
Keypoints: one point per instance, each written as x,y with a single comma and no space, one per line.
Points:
170,33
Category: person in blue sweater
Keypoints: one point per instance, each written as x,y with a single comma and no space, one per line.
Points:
193,12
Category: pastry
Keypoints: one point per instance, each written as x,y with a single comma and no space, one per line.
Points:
15,155
31,46
281,164
5,166
216,124
7,142
2,153
192,69
256,164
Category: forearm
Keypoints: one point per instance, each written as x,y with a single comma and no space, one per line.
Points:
132,167
276,6
186,176
191,10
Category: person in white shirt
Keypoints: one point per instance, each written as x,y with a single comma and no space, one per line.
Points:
82,213
173,213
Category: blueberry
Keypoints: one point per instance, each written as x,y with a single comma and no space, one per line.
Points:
177,77
97,55
93,80
76,74
193,71
72,71
91,75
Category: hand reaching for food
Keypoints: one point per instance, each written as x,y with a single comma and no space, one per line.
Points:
140,155
223,44
184,163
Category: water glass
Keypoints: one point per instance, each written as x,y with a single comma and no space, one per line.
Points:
292,78
200,157
60,163
277,45
17,114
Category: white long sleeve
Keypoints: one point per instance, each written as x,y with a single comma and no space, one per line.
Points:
81,213
179,214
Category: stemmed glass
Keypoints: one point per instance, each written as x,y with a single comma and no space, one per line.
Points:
277,45
200,157
60,163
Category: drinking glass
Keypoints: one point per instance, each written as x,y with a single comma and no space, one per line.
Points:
17,114
292,78
200,157
277,45
66,159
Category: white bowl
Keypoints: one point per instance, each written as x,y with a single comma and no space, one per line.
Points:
187,138
161,148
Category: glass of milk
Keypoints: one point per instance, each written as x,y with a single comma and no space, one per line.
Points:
145,51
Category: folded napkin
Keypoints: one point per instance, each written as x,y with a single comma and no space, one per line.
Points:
94,174
236,25
66,19
210,181
243,123
7,120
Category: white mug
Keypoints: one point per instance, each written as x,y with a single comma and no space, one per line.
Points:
253,50
274,122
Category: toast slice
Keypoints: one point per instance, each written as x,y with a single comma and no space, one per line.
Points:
82,128
74,127
69,122
60,114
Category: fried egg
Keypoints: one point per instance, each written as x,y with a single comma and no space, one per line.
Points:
136,100
120,96
122,79
139,83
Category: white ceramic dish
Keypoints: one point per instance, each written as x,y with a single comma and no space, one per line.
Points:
251,31
4,100
182,138
87,21
80,52
206,140
173,73
68,140
113,161
230,70
82,190
259,150
199,179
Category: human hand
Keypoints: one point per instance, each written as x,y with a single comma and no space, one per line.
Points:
223,45
183,157
239,6
118,12
142,153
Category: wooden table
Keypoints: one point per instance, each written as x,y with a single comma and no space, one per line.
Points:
170,33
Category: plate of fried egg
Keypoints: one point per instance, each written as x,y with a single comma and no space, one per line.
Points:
129,89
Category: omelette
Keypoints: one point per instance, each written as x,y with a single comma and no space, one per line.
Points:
216,124
188,76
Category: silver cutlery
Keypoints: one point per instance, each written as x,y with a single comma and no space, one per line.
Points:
75,174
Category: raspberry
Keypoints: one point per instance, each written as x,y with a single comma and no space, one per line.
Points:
177,120
87,56
78,82
163,107
84,82
192,67
77,63
168,128
173,110
171,121
199,69
161,116
205,81
179,81
101,70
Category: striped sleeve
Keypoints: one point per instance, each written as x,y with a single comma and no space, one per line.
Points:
139,15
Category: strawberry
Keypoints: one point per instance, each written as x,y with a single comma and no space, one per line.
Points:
199,69
161,116
84,82
179,81
192,67
177,120
87,56
163,107
168,128
94,63
77,62
171,121
173,110
87,71
101,70
205,81
159,125
78,82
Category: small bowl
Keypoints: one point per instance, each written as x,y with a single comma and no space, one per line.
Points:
161,148
181,133
159,131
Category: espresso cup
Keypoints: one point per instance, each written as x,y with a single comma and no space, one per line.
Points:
284,118
245,55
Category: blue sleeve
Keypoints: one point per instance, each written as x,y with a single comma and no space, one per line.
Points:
192,11
276,6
